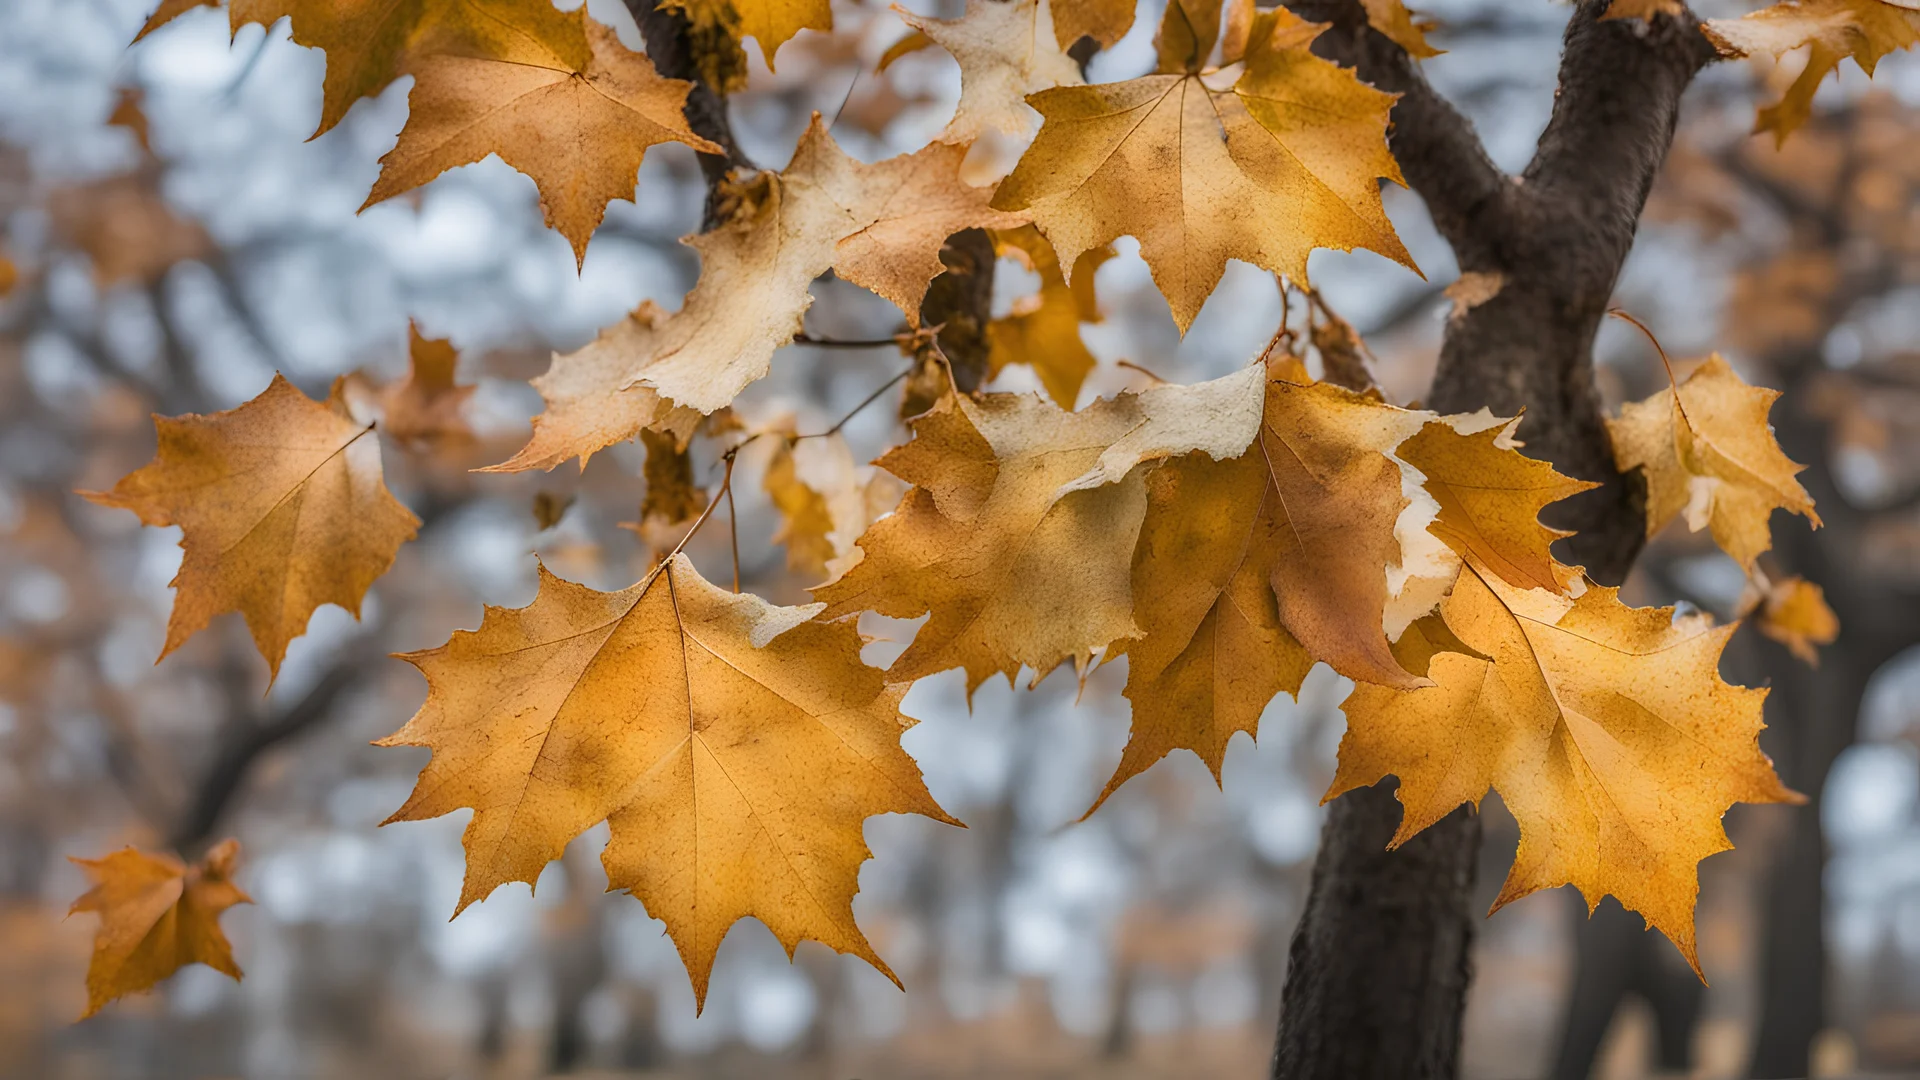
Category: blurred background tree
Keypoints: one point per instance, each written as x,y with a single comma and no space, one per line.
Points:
170,239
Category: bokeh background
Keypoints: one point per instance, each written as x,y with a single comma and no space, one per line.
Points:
178,239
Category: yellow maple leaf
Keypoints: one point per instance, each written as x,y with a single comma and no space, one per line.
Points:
824,505
1248,570
879,226
1043,330
672,497
1007,50
1212,651
282,508
1398,25
156,917
1866,30
427,406
1709,451
1287,160
589,404
567,104
1490,498
734,747
1794,612
1019,532
772,23
1105,21
1606,729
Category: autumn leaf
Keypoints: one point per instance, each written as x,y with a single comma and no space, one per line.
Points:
589,405
282,508
1709,451
1793,612
672,497
1398,25
878,226
1288,160
1212,651
1019,532
427,406
1606,729
1866,30
733,746
1490,498
772,23
1007,50
156,917
823,503
1043,330
1105,21
558,82
126,227
1248,570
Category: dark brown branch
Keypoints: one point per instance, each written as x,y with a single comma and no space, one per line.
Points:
224,779
1380,961
674,54
1438,150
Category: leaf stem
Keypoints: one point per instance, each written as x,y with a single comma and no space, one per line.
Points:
844,343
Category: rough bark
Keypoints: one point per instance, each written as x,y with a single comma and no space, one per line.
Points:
1380,962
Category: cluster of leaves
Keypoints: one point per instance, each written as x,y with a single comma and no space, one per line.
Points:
1224,537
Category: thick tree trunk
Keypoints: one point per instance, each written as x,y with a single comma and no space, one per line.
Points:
1380,962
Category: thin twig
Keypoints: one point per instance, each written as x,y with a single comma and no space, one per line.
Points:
845,343
1149,373
733,528
870,399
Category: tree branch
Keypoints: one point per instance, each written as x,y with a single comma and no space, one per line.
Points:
670,45
1440,154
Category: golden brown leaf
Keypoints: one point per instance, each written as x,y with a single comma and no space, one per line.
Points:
1794,612
824,506
1007,49
1866,30
1105,21
1490,499
156,917
1241,561
1211,652
589,405
127,229
549,507
564,83
1287,161
427,406
878,226
672,496
772,23
1043,330
282,508
129,112
734,747
1019,533
1606,730
1398,25
1709,452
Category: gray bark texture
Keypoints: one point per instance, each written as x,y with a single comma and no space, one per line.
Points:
1380,963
